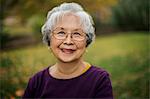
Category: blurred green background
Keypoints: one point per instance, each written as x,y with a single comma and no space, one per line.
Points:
121,46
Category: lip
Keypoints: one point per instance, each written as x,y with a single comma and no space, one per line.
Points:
67,50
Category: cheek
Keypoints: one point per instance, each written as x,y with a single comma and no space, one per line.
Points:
54,44
81,46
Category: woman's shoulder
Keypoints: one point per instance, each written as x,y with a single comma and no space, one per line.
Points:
98,70
40,74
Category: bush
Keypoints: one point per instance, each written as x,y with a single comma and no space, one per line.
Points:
36,22
6,62
4,37
132,15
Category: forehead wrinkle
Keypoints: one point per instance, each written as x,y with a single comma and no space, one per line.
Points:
62,15
61,28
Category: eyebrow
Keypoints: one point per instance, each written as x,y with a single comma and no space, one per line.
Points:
65,29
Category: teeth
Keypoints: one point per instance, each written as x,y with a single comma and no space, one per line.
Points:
68,51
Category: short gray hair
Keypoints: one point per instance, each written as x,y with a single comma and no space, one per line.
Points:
54,15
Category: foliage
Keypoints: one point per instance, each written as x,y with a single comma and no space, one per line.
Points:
124,56
3,40
132,15
36,22
6,62
4,37
27,8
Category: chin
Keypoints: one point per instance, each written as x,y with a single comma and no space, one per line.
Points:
67,60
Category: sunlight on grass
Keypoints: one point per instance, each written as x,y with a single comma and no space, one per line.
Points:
120,45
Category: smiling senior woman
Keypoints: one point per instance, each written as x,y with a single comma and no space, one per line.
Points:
68,31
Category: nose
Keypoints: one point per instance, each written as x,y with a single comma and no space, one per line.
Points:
68,40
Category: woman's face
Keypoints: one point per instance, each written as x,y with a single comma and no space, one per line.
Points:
70,48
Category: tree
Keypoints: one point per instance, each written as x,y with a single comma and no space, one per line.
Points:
131,15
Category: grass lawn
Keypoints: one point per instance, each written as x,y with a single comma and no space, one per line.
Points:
125,56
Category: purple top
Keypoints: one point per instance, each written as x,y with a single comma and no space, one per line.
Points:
94,83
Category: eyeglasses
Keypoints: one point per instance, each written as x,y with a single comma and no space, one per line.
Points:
61,34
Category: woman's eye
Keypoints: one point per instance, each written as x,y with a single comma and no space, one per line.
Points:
61,33
77,34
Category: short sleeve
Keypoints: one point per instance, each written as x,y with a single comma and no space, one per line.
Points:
104,87
29,91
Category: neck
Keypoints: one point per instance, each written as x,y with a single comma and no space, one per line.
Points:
69,68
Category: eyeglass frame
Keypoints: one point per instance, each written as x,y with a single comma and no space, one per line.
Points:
66,35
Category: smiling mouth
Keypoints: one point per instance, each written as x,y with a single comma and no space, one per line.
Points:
68,51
